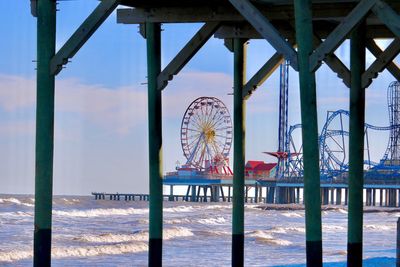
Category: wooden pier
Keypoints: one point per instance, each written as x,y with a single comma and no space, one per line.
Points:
284,193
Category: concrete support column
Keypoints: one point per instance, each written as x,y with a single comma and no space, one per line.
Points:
239,73
356,147
171,193
338,196
153,37
46,42
304,38
193,194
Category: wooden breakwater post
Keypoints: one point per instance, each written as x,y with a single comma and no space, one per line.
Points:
398,244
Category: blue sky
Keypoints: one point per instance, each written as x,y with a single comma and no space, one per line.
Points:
101,106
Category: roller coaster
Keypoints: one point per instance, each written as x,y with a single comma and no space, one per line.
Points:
333,145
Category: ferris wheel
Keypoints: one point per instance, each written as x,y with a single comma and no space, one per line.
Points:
206,133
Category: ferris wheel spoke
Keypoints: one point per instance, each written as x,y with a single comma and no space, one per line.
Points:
209,117
194,130
197,120
194,140
217,118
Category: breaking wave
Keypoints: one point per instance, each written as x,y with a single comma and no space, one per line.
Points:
284,230
264,237
375,227
292,215
332,228
117,244
169,233
16,214
15,201
83,251
100,212
117,212
213,221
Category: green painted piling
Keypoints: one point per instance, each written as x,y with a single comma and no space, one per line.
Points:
308,102
356,148
153,38
239,48
46,40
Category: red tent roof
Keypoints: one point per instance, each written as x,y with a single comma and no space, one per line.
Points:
265,166
251,164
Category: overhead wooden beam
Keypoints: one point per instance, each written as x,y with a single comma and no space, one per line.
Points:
34,8
82,34
266,30
392,67
340,33
332,61
187,52
388,16
262,74
383,60
224,13
322,29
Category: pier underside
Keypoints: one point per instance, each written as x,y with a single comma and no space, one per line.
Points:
303,32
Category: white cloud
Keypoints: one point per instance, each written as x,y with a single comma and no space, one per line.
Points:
117,109
17,128
16,92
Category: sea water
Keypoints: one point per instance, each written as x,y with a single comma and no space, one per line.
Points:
88,232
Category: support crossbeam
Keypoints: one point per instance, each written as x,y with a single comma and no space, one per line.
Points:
335,64
381,62
82,34
376,51
262,74
266,30
388,16
339,34
187,52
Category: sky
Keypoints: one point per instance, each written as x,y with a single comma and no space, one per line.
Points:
101,101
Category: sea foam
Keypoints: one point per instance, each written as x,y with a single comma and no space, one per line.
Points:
169,233
265,237
15,201
99,212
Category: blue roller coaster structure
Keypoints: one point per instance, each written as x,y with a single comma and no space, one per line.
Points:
333,145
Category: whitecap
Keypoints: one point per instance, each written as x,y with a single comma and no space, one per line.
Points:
15,255
380,227
284,230
168,233
179,209
81,251
16,214
175,221
99,212
264,237
13,200
292,215
213,221
332,227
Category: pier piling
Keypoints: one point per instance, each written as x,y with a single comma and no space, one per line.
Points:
46,41
308,107
239,47
153,38
356,147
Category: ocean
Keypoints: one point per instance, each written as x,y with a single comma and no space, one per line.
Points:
88,232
